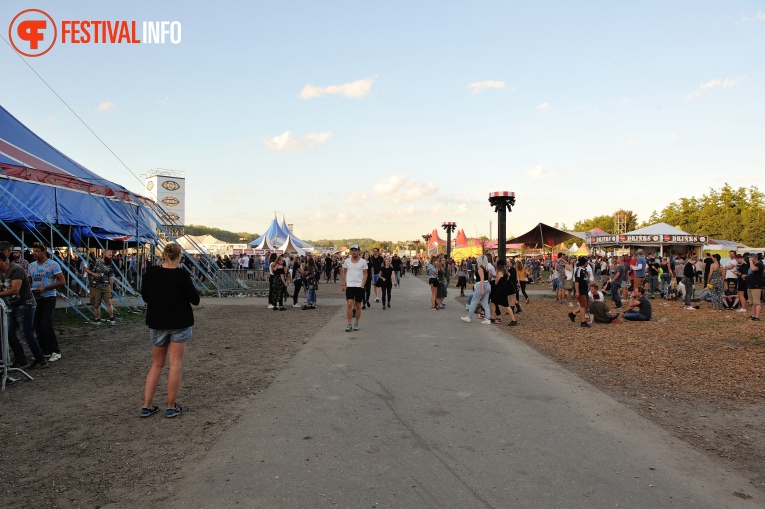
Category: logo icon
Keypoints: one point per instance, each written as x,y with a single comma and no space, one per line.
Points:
170,217
171,185
150,185
32,32
171,201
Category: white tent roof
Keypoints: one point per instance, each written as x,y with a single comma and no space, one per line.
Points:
658,229
573,248
290,247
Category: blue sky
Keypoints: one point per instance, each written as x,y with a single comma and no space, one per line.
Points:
384,119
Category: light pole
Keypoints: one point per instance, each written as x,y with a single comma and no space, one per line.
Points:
449,227
502,201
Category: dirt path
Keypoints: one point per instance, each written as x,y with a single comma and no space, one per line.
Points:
73,438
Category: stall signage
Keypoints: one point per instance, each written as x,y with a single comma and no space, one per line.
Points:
648,239
685,239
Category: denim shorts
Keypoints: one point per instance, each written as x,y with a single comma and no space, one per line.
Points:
161,337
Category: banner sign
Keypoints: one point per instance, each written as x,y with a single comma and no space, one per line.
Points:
649,239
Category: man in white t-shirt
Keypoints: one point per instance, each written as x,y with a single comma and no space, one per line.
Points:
353,281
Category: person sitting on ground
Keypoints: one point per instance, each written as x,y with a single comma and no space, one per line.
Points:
595,291
677,292
599,311
730,298
706,295
639,308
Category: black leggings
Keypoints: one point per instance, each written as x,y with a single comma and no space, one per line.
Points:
523,291
298,285
386,289
368,289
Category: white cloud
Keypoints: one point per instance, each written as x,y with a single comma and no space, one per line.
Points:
354,89
286,141
356,199
479,86
539,172
165,101
711,84
544,107
625,101
760,16
631,141
398,189
106,107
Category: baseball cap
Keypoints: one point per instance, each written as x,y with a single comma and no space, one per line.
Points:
354,246
17,249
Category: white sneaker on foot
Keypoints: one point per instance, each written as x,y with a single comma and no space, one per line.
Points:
742,310
465,319
690,308
270,306
296,305
54,357
486,322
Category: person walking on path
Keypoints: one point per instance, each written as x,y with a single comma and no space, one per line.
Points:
368,281
442,274
169,295
581,290
462,278
502,295
311,276
385,281
45,275
433,282
397,264
352,282
522,281
377,262
481,291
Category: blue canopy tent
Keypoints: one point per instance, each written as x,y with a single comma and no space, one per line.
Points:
277,236
42,188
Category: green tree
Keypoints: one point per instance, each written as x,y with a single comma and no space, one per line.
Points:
224,235
605,223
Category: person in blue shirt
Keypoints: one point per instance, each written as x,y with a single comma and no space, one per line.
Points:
46,276
639,269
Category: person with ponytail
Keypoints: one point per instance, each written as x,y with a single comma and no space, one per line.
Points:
169,295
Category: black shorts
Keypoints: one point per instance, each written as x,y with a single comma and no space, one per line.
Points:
433,282
354,293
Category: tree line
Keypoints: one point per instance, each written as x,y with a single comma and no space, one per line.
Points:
224,235
724,214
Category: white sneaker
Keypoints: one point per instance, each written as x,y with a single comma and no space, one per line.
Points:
54,357
296,305
570,304
689,308
270,306
741,310
486,322
465,319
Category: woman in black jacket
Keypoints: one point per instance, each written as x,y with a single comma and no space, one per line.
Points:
169,294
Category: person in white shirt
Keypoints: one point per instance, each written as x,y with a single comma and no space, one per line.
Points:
352,283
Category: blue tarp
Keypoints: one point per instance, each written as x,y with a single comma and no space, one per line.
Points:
49,187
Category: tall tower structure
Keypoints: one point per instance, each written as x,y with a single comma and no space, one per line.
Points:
620,223
168,189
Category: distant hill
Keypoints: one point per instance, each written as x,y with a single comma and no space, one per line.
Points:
224,235
365,244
